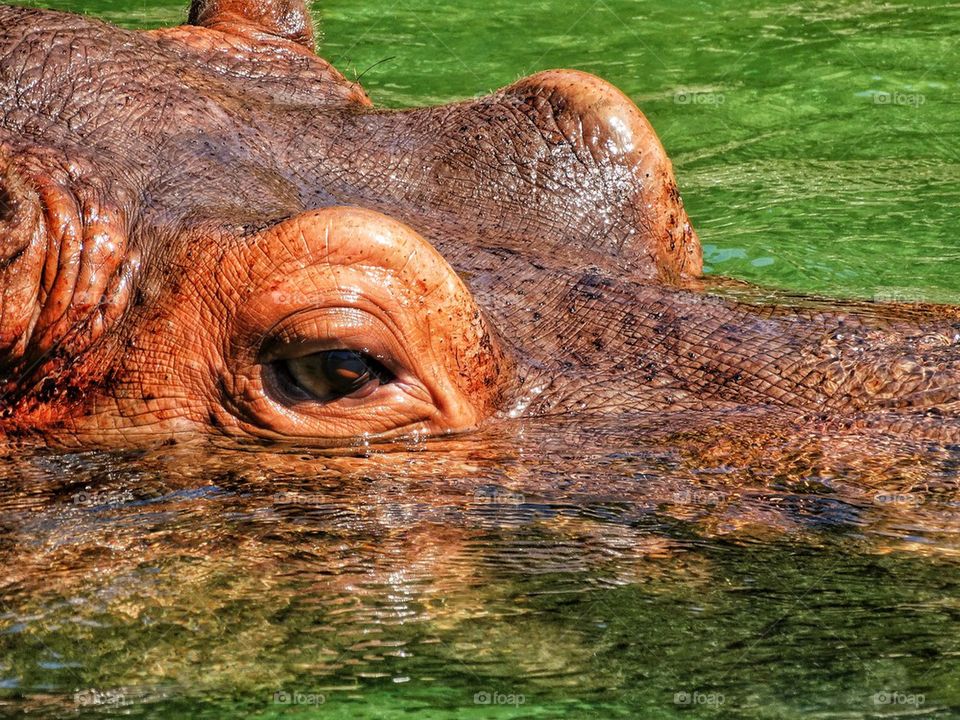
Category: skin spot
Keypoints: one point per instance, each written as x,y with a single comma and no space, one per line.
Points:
594,279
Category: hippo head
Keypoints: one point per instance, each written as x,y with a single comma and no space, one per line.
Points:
209,229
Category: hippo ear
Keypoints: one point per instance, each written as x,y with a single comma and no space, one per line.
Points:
288,19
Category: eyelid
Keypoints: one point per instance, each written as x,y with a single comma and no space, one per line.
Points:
333,328
304,385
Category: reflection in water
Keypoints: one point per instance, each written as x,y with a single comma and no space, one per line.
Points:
556,562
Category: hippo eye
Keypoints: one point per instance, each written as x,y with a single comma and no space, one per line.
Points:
333,374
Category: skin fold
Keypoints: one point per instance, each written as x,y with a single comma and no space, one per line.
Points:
186,212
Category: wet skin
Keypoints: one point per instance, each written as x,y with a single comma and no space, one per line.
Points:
207,230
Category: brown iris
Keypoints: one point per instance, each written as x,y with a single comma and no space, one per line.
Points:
333,374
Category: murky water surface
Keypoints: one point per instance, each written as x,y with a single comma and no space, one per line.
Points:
683,566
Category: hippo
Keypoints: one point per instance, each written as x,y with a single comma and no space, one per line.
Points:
208,231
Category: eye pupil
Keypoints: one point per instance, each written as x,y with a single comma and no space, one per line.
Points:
331,374
346,370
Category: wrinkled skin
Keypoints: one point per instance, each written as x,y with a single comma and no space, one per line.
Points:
185,212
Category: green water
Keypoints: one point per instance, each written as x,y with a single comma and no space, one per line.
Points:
815,146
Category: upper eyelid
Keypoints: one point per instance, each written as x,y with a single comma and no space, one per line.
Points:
378,335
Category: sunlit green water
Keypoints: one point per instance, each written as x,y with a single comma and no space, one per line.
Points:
815,145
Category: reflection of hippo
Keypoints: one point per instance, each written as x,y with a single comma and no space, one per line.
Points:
207,228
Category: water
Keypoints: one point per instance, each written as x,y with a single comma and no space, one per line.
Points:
649,570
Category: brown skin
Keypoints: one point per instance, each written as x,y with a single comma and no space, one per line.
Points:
186,210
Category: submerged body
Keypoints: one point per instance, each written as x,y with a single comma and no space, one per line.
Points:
207,229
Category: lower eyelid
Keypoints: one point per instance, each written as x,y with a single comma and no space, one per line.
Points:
366,391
